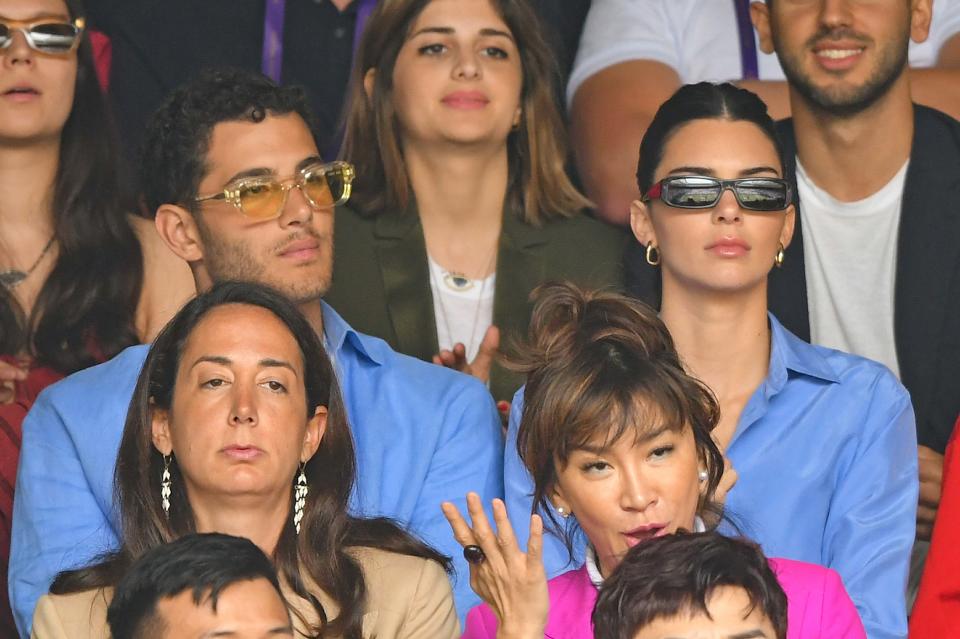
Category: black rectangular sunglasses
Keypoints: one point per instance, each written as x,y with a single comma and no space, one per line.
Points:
702,192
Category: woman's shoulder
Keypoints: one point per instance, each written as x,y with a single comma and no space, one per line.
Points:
79,615
410,596
167,280
817,601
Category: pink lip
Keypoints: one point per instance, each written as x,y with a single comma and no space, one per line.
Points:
466,100
301,249
242,453
729,247
644,533
21,93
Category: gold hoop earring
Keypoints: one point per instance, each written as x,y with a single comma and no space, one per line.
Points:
779,257
653,255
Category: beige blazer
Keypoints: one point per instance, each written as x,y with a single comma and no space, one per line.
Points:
407,597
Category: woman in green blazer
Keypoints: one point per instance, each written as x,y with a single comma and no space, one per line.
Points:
461,205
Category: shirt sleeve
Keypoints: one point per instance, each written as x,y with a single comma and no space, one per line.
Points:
518,485
468,458
872,522
621,30
57,522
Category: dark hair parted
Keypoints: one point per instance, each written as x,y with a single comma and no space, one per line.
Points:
700,101
204,564
85,309
600,364
538,185
677,574
327,530
174,152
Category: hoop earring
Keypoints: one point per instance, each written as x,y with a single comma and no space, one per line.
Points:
651,252
779,257
299,497
165,486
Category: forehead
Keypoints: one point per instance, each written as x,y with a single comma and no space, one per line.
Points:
30,9
730,616
462,15
725,146
241,332
277,143
244,609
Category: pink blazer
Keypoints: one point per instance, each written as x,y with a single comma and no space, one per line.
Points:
818,607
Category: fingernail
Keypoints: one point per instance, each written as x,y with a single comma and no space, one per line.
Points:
503,406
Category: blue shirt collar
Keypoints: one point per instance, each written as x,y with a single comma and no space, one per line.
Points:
790,353
338,335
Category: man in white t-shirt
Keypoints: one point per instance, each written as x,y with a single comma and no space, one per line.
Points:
874,267
635,53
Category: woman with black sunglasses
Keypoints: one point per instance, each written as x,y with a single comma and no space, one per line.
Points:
80,279
823,442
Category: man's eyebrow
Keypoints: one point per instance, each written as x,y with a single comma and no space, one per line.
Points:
305,162
699,170
255,172
286,631
759,169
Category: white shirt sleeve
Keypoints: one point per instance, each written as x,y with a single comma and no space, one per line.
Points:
620,30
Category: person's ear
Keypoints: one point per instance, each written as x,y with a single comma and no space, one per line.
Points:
641,224
316,427
921,14
160,430
786,233
760,16
560,503
178,230
369,78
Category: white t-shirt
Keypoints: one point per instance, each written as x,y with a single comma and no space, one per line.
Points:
850,260
699,39
464,314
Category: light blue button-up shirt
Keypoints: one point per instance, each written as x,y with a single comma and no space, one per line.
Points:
826,452
424,434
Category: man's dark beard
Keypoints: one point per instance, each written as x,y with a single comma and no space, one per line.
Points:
850,102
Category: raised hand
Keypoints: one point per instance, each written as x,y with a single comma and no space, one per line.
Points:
512,582
456,358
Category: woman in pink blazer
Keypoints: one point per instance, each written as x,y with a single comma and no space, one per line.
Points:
616,436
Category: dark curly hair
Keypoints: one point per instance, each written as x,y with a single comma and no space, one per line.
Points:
174,152
677,574
86,307
603,364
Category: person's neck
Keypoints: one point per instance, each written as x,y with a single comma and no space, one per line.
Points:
723,338
260,519
27,176
853,157
460,191
313,312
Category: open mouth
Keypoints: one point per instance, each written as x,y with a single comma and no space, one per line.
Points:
644,533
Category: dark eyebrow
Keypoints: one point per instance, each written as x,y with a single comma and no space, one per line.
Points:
257,172
707,171
487,31
646,437
277,630
305,162
263,363
749,634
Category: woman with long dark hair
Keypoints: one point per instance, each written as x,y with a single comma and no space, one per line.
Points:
237,426
80,279
464,206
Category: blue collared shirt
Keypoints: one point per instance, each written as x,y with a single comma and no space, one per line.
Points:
424,434
826,452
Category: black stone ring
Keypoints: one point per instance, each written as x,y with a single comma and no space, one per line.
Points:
474,554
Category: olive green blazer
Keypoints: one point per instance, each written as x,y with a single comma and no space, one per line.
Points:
381,279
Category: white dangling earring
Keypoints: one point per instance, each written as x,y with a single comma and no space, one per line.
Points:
299,497
165,486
